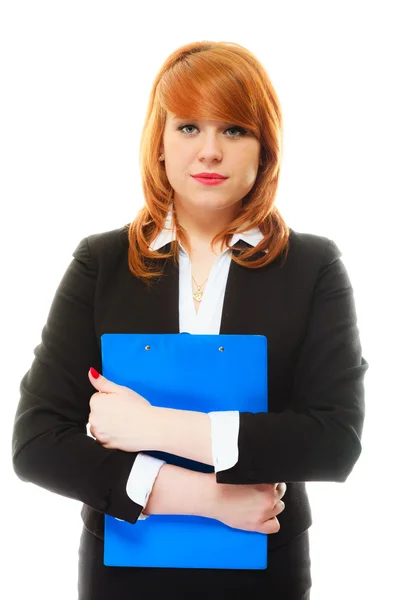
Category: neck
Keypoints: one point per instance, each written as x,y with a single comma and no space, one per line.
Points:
202,225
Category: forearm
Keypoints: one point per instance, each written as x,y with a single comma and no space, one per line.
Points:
179,491
183,433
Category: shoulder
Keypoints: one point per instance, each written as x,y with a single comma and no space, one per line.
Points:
111,241
317,250
105,245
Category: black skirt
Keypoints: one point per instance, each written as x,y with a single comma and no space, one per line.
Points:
287,577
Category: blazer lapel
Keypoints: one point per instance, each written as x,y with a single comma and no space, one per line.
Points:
132,306
242,286
161,302
155,309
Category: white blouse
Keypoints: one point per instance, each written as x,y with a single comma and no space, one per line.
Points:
224,424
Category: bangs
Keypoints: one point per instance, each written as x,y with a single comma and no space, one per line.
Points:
207,88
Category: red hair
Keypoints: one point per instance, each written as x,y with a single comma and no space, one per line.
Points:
221,81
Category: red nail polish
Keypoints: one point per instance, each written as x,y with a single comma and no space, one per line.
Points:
94,373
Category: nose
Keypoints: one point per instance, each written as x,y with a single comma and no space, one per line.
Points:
210,148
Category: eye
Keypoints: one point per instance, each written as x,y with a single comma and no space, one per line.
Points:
242,132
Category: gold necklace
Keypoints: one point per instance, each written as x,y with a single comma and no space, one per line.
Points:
199,294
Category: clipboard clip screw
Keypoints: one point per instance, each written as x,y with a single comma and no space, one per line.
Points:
221,349
147,347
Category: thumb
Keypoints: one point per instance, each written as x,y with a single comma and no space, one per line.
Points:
102,384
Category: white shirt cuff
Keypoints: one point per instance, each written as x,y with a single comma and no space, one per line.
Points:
224,436
141,479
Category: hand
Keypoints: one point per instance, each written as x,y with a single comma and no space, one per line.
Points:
250,507
119,418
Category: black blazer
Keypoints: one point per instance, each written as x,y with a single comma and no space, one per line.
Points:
304,306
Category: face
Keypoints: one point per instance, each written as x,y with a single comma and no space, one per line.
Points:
194,146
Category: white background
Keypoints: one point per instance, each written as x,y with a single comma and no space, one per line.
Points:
75,79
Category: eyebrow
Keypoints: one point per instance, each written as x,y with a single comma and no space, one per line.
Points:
197,120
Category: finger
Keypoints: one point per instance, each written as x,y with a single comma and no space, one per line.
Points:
279,507
281,490
270,526
99,397
101,383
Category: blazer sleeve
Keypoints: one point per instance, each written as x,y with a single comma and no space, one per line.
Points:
50,444
318,436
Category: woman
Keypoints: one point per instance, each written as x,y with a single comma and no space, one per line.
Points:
202,257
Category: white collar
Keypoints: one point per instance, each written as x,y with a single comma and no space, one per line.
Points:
167,235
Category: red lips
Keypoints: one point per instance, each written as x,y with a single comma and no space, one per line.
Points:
210,175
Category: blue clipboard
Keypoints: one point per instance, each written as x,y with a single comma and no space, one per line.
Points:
188,372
